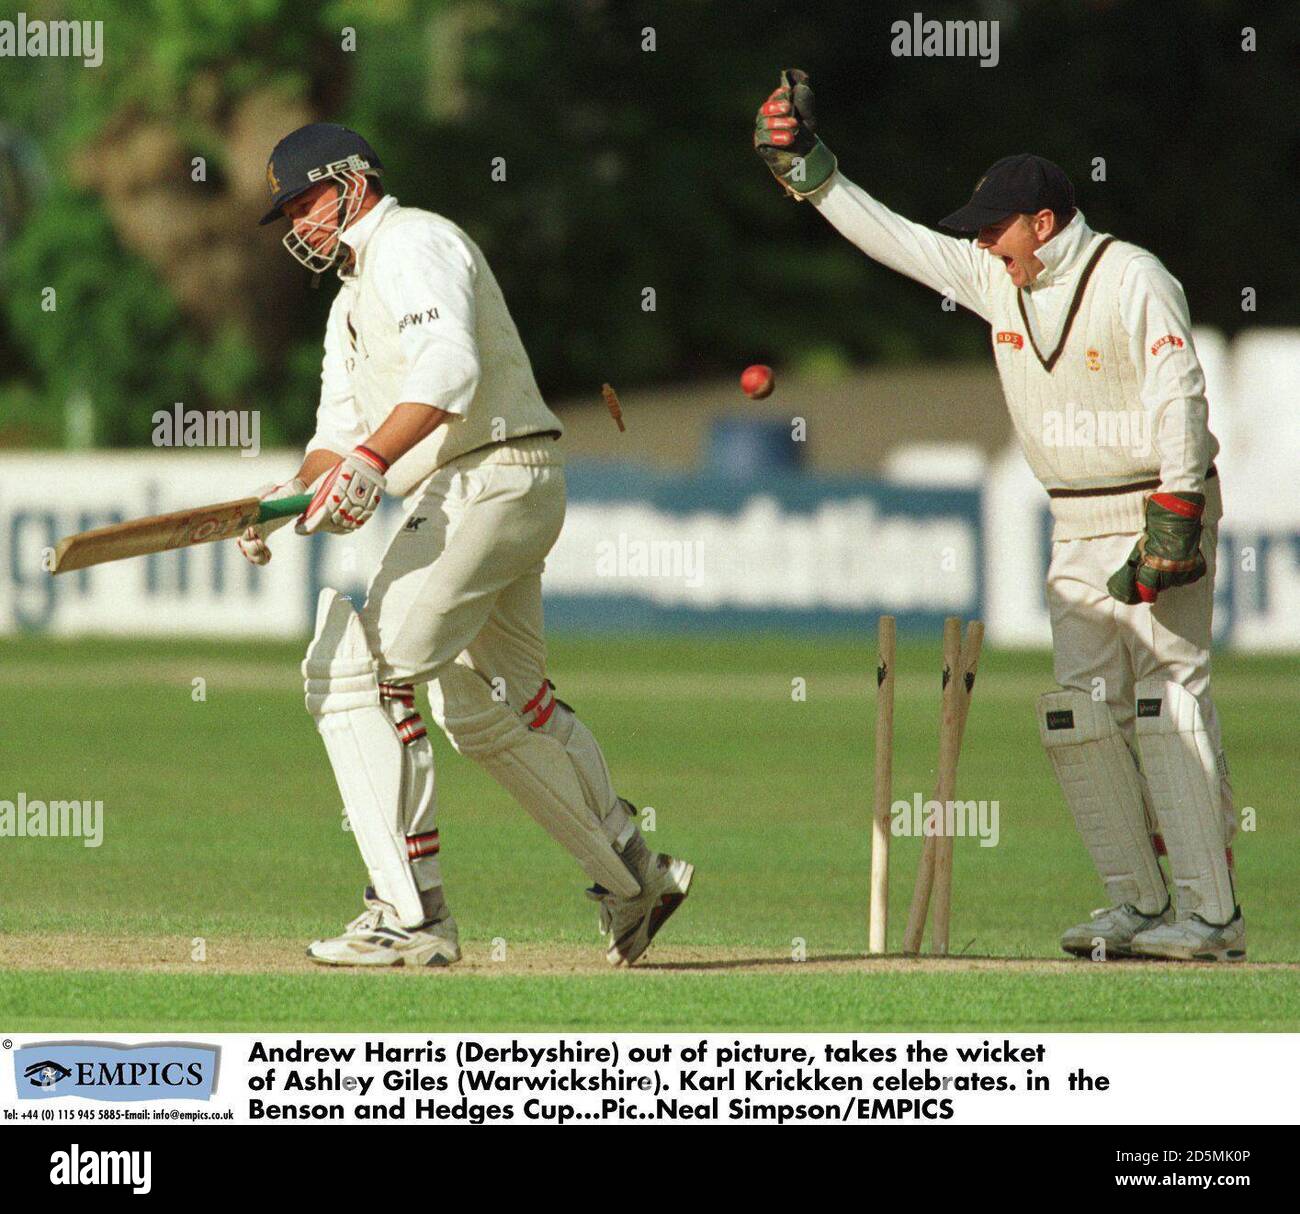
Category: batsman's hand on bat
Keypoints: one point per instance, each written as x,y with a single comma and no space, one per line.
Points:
348,496
785,136
1167,554
253,542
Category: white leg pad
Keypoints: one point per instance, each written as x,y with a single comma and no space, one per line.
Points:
592,771
1182,775
343,697
419,789
535,769
1100,781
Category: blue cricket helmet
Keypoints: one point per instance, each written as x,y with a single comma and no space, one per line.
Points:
315,152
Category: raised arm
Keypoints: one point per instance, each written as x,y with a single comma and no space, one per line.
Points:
946,264
785,136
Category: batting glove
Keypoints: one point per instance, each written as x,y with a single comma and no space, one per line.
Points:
1167,554
253,542
348,496
785,136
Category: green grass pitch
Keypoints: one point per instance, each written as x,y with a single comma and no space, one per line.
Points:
224,852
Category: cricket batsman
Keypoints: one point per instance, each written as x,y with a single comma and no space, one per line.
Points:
427,392
1096,331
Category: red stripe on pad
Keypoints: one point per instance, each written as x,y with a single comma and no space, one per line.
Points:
537,699
418,846
543,716
411,729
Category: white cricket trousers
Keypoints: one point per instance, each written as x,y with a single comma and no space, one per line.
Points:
462,578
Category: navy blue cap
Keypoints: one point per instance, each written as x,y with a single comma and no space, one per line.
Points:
1017,185
310,154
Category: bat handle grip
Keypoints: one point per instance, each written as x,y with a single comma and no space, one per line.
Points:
283,507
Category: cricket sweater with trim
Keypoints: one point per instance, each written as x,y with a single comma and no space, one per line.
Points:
1095,357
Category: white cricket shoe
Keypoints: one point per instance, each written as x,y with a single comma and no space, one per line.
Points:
631,923
374,937
1115,927
1192,939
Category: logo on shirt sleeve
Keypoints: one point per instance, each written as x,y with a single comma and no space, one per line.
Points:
417,318
1008,338
1167,340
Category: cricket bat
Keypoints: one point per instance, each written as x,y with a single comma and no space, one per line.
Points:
163,532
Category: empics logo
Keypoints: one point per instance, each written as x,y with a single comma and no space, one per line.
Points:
75,1166
45,1074
106,1071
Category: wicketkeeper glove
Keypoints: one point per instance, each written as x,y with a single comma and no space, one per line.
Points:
785,136
1167,554
348,496
253,542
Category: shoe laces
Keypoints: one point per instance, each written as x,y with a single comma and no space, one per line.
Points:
1113,912
1126,908
367,921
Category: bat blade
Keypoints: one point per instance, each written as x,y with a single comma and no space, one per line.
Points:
163,532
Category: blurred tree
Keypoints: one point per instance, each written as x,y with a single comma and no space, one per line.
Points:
165,288
626,166
113,333
630,167
22,183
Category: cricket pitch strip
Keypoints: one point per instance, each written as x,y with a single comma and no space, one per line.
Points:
241,955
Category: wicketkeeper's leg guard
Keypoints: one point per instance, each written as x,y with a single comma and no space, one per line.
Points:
1100,781
1187,792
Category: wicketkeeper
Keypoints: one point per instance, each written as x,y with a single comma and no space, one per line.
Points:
1093,333
427,392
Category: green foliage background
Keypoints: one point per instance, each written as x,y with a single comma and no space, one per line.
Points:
629,168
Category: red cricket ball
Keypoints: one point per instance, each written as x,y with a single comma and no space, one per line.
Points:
757,381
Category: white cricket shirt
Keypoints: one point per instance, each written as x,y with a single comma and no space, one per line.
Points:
420,318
